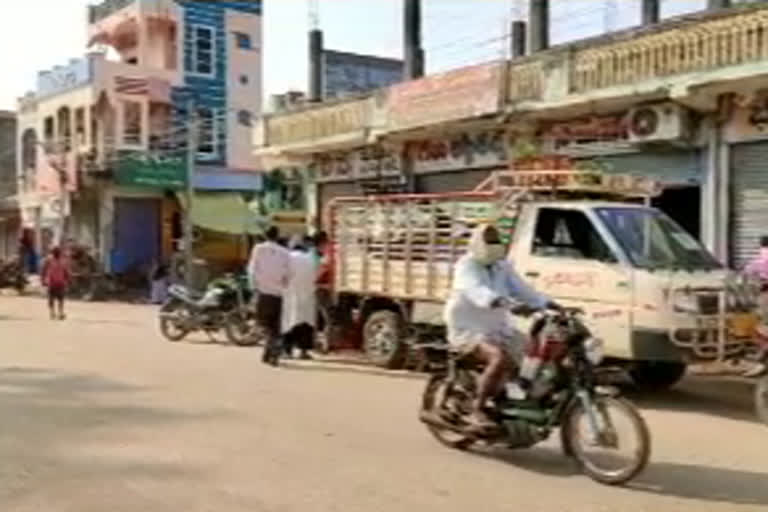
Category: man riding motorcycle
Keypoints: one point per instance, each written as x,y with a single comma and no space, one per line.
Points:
477,313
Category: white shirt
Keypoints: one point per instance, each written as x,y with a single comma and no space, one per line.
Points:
269,268
299,302
475,288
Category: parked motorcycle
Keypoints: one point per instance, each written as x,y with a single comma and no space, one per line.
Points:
562,392
12,275
226,305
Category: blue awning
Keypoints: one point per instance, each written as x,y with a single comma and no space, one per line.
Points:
228,180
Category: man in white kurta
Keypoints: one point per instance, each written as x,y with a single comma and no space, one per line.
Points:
477,313
299,302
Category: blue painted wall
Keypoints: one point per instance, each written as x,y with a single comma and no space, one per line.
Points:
208,92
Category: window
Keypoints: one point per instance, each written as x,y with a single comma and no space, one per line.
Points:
243,41
48,129
569,234
203,50
243,79
132,123
244,118
80,127
206,138
29,151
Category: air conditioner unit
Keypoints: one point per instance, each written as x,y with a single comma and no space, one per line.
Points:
661,122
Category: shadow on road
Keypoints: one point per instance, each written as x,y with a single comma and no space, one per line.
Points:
686,481
341,366
717,397
49,416
693,481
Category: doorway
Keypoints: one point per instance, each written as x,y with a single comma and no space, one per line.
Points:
683,205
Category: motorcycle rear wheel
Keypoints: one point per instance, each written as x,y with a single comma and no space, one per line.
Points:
243,332
169,320
445,437
577,445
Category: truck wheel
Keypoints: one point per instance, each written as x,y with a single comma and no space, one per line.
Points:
761,399
656,375
383,339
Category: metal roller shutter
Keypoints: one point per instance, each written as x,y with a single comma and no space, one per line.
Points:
749,211
668,167
454,181
327,191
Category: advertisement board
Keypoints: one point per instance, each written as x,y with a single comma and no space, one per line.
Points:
452,96
146,171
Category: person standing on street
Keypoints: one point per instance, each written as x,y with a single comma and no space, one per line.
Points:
299,303
269,269
56,278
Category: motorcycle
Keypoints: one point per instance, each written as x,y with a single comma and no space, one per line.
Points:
225,305
12,276
561,391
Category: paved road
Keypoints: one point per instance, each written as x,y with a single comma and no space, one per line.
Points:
99,414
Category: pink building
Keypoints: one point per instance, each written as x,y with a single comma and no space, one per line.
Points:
103,138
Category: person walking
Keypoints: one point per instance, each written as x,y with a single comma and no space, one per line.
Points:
56,277
269,269
299,303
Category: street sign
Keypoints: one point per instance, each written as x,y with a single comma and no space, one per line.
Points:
151,171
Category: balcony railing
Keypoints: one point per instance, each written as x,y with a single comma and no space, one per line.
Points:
686,47
106,8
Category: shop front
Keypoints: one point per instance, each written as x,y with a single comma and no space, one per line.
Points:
604,143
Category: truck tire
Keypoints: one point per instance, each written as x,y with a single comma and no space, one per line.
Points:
384,339
656,375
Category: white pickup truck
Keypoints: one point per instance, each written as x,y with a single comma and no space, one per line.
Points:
656,296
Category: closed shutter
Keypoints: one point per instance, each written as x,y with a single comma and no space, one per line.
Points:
328,191
668,167
136,235
454,181
749,210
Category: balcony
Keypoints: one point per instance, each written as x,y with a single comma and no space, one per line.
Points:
105,9
671,59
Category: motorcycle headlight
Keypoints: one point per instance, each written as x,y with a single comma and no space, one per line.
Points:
594,350
685,304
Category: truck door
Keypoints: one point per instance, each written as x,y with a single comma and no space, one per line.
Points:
574,260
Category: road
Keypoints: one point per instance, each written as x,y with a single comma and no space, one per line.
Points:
98,413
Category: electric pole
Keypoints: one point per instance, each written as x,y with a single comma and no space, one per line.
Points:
189,225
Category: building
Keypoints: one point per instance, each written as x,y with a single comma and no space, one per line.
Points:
104,138
351,74
9,209
682,101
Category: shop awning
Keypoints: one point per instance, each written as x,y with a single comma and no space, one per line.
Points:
225,212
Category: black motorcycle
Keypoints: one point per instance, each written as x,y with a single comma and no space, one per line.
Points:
563,393
12,276
226,304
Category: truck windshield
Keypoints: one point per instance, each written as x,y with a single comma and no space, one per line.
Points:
654,241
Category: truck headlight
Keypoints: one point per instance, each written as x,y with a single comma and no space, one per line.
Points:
594,350
685,304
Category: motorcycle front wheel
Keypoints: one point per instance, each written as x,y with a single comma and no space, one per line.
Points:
172,319
597,439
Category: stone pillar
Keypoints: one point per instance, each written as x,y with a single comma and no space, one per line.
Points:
414,54
316,92
518,39
651,12
539,25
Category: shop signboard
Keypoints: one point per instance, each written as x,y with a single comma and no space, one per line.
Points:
452,96
318,123
459,152
368,163
151,171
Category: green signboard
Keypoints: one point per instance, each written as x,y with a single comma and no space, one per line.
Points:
150,171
